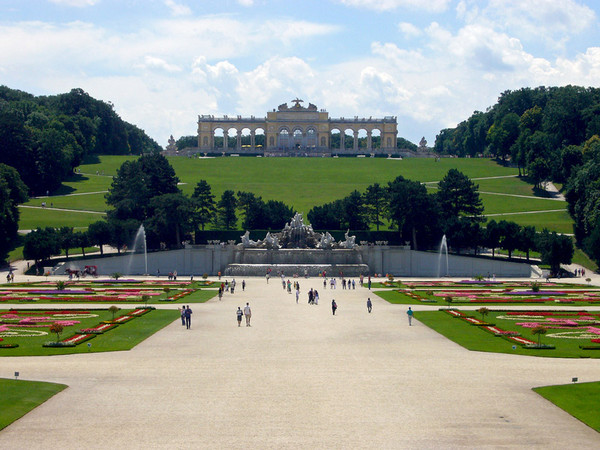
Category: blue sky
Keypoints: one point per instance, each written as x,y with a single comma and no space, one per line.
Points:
431,63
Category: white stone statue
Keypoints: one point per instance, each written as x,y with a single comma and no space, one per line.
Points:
246,241
350,240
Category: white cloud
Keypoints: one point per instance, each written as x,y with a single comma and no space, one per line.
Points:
246,2
548,22
388,5
152,62
75,3
178,9
409,30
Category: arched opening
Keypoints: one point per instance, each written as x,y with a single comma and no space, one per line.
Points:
259,139
218,138
376,139
232,139
362,139
298,139
334,140
348,139
283,139
311,138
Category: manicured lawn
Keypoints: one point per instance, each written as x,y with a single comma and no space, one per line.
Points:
475,338
85,202
124,337
48,217
20,396
558,221
580,400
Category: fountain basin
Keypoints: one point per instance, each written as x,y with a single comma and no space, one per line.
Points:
289,270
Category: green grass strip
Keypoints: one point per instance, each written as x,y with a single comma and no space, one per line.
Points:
18,397
579,400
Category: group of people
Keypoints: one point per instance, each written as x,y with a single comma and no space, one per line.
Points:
186,316
247,313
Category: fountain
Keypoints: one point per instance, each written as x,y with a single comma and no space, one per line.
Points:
443,246
139,242
297,249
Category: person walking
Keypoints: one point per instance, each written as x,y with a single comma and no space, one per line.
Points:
247,314
333,306
182,311
188,317
409,313
243,285
239,313
369,305
297,294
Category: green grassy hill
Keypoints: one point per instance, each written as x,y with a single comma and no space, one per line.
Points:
303,183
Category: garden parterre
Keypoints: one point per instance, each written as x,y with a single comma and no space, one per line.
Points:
474,292
566,333
98,291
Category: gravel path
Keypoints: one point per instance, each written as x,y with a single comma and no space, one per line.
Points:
299,378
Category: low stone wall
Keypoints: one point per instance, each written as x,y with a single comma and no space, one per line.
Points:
381,259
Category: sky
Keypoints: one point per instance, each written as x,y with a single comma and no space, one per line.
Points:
430,63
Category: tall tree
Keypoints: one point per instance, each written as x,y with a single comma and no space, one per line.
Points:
226,216
411,210
137,182
458,196
374,202
99,234
12,192
204,203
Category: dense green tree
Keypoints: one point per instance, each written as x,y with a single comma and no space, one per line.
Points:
277,214
492,236
458,196
122,232
169,219
82,240
555,249
226,216
509,236
374,203
462,233
12,192
527,240
252,208
99,233
591,244
137,182
204,204
411,210
41,244
353,216
327,216
538,172
186,141
67,239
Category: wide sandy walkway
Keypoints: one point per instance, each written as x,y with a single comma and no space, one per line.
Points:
298,378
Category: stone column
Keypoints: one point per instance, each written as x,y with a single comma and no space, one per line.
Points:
342,139
239,140
369,142
225,140
252,139
355,141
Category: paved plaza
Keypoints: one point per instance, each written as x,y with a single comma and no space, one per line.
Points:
299,377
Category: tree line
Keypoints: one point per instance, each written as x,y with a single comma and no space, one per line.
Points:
43,138
550,134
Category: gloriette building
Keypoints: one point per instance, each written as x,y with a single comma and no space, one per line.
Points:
297,130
